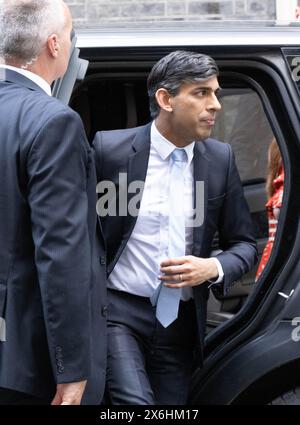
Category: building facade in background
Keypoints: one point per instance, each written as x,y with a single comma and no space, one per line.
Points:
87,13
112,13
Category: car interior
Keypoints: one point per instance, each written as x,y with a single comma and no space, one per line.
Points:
118,99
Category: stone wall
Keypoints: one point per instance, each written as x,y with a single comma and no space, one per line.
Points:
88,13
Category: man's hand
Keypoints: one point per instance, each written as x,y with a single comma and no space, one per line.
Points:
67,394
187,271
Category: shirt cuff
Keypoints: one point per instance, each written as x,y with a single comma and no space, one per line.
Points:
220,271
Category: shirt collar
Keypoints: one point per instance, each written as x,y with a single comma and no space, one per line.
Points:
164,147
33,77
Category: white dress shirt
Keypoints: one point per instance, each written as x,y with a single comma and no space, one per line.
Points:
138,268
33,77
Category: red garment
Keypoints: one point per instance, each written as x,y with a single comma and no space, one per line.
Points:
274,202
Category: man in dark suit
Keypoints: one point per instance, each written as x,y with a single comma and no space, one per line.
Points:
160,266
52,275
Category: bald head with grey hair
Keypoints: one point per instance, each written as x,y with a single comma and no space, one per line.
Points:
25,26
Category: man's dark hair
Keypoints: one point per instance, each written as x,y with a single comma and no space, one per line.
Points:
175,69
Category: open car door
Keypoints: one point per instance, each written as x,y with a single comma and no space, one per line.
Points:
63,87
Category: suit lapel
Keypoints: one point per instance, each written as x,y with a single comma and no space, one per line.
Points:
137,171
17,78
200,175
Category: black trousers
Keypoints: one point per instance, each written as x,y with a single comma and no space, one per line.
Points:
147,363
10,397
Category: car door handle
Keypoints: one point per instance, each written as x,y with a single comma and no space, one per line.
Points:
287,297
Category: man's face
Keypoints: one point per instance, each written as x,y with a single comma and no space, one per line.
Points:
64,40
194,109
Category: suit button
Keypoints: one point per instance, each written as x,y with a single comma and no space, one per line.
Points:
104,311
102,261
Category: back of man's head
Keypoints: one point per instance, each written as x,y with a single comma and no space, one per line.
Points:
25,26
175,69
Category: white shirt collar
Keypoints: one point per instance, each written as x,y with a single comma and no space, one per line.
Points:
164,147
33,77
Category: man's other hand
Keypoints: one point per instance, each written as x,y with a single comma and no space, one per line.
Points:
69,394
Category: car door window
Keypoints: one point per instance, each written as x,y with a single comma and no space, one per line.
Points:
242,122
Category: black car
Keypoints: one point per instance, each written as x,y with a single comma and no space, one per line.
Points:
252,353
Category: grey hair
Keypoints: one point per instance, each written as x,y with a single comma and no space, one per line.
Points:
175,69
25,26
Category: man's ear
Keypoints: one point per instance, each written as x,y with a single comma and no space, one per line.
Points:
53,45
163,98
297,13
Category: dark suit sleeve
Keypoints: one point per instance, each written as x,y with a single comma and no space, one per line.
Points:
97,149
57,171
236,236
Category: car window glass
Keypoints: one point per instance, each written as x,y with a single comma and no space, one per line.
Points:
242,122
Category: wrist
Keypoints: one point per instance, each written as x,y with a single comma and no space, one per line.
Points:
213,270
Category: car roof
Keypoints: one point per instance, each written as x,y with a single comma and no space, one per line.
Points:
208,36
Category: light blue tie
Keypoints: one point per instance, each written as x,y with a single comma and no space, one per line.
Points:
167,299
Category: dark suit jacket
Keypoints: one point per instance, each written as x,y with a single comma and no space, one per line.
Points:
52,283
225,208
